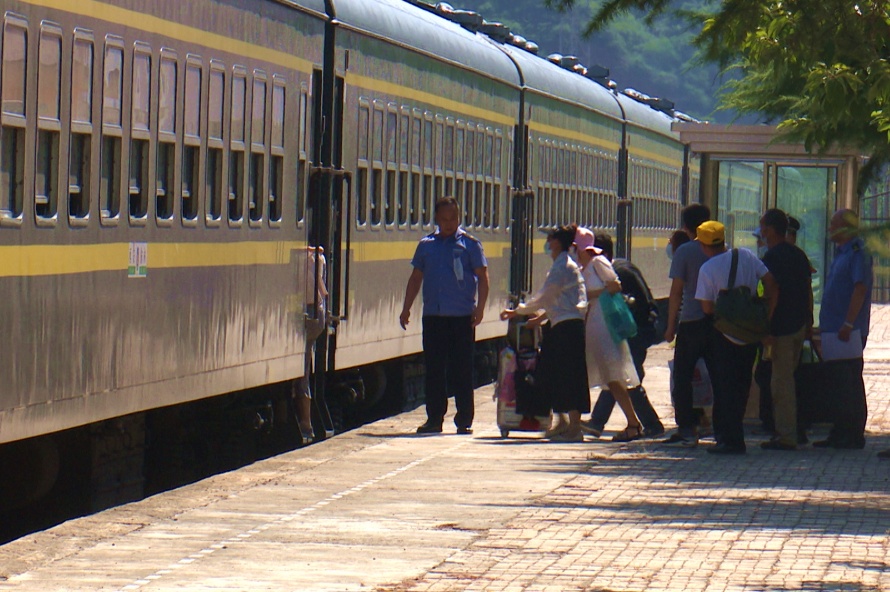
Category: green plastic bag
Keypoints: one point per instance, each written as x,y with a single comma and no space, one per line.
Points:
619,319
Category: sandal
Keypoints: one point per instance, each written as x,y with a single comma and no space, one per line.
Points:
556,430
629,434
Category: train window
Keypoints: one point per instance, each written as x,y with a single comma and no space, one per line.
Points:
213,179
407,208
166,158
112,94
437,190
364,122
256,195
389,206
80,151
191,149
140,133
303,165
377,135
276,161
236,155
49,81
12,130
15,52
497,145
449,145
419,208
428,156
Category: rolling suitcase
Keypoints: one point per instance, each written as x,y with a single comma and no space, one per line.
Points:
518,406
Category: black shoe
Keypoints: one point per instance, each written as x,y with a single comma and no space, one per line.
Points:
430,428
464,430
726,449
884,454
777,445
837,444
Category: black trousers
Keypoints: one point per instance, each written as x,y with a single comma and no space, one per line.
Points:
448,344
605,403
693,342
731,376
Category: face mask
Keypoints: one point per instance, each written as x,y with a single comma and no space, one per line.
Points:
669,251
547,248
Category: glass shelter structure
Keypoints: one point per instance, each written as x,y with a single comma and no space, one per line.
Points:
744,172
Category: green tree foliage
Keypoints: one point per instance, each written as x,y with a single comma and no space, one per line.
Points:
818,68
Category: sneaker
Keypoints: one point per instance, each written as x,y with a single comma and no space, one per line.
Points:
430,428
464,430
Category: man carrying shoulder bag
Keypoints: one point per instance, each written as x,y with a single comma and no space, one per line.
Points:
733,357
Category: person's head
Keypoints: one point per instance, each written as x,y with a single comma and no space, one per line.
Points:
843,227
603,240
447,212
585,245
678,239
561,238
793,228
773,227
712,237
692,216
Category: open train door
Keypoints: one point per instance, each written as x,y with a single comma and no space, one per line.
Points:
328,215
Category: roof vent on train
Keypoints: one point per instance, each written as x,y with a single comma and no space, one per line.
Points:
472,21
497,31
663,105
522,43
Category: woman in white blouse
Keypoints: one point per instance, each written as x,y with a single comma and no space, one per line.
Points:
609,364
561,373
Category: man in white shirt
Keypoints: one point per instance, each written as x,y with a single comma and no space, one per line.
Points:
733,360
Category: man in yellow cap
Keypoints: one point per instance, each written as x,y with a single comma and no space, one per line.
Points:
733,360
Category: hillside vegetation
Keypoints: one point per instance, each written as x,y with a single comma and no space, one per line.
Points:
658,61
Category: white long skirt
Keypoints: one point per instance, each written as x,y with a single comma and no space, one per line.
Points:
606,361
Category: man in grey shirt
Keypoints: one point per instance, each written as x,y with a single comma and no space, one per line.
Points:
688,323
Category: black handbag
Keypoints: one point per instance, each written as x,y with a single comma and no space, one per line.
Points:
829,392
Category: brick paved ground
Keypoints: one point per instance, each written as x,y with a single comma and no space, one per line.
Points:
380,508
647,517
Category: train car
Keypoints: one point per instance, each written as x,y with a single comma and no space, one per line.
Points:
430,110
206,145
151,165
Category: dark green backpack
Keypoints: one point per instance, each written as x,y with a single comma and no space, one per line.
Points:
738,312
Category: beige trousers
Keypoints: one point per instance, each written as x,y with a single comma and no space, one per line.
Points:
785,357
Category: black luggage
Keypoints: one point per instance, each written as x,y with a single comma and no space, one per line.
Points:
831,392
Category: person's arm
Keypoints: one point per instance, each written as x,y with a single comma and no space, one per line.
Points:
856,302
770,291
482,277
707,306
674,302
411,291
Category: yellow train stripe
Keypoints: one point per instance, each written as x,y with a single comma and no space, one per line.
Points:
574,135
398,90
42,260
180,32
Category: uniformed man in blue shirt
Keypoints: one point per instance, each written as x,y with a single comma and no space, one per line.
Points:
846,311
451,267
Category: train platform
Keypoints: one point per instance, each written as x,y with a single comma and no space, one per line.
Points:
380,508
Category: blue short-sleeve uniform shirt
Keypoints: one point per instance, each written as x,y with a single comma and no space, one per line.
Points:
852,265
449,279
